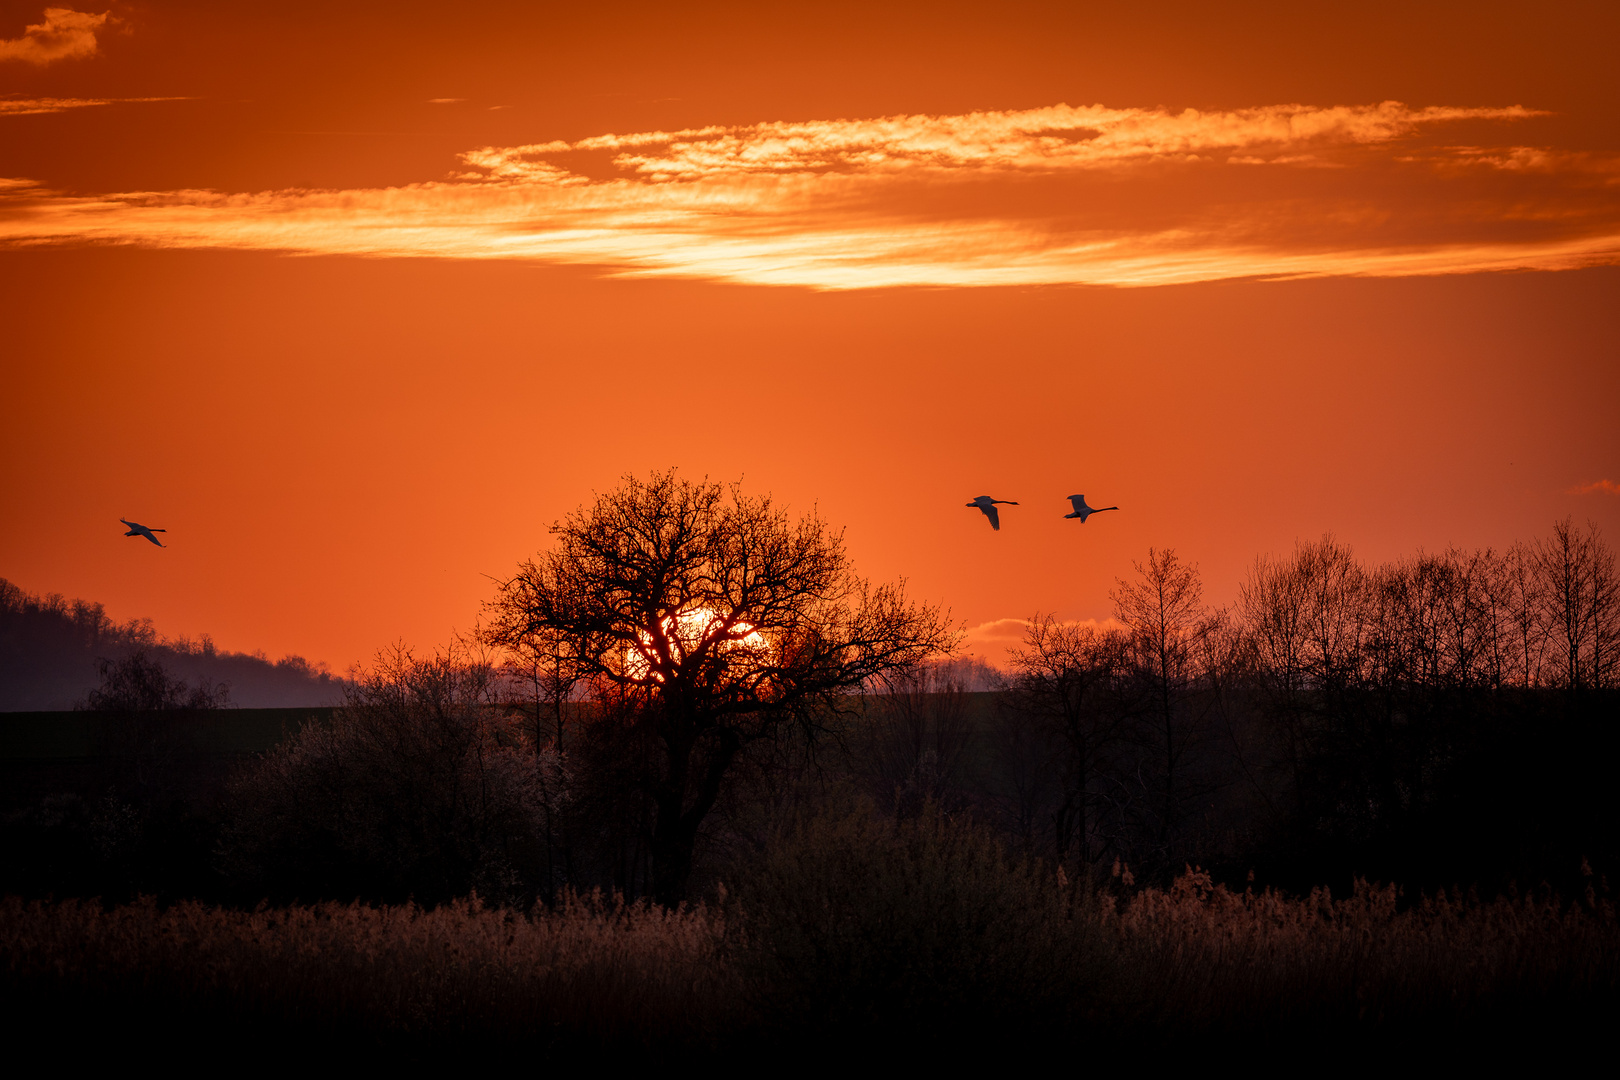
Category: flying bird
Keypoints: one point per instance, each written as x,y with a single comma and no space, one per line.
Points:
1082,511
142,530
988,505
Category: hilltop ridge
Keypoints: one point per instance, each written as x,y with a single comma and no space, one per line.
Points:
50,645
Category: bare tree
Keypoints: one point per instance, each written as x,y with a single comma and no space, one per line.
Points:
1274,603
721,617
1334,587
1526,622
420,785
551,674
920,735
1582,597
1170,630
1064,675
148,715
139,683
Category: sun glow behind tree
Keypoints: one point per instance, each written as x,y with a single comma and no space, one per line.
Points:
681,637
708,619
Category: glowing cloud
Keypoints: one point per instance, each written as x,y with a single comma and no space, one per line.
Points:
993,641
1601,487
1059,195
1057,138
64,35
35,106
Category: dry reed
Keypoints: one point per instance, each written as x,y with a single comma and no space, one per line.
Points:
591,971
1198,957
1194,960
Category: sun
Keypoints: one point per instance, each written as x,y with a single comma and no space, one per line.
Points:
688,633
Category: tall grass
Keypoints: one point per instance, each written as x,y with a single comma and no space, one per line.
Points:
1198,958
846,927
590,972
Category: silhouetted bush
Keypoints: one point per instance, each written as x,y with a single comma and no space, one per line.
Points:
858,923
421,786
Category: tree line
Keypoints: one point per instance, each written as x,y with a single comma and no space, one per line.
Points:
686,668
686,674
1369,717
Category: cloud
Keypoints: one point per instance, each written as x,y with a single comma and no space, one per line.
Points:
34,106
1013,630
993,641
445,100
1601,487
64,35
10,106
999,630
1059,195
1059,138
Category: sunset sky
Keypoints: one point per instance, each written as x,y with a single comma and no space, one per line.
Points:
355,300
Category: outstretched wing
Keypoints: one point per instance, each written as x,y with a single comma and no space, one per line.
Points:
995,518
148,534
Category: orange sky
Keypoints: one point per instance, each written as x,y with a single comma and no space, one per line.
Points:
355,303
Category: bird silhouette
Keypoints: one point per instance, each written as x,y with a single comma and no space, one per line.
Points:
987,504
1082,511
142,530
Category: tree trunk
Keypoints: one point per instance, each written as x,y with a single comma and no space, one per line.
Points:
675,824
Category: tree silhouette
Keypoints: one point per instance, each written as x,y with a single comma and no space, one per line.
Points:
1583,596
147,716
1170,632
920,737
421,786
719,618
1065,676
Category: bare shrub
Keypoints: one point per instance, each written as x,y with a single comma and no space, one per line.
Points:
857,923
918,736
148,717
420,786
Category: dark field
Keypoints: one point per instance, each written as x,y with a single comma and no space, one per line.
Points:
28,739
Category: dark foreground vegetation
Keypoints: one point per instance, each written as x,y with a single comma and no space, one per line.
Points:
695,784
857,929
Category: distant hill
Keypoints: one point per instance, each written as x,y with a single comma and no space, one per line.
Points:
49,648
